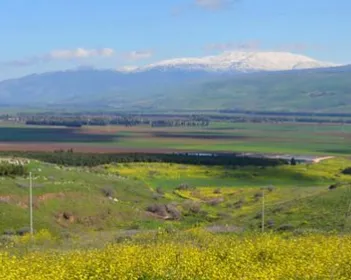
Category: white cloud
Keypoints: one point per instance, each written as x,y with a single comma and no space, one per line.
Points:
138,55
80,53
62,54
213,4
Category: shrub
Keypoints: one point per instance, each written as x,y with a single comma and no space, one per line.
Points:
215,201
286,227
333,186
67,215
239,204
9,232
108,191
257,196
23,231
347,171
192,206
158,209
258,216
217,191
173,211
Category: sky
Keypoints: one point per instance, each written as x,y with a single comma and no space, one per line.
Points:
50,35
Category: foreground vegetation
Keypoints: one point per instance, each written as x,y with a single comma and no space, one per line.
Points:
191,255
158,220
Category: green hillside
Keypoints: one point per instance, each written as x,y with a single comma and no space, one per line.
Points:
137,196
313,90
317,90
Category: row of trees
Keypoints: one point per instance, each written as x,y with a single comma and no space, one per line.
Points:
70,158
7,169
176,119
126,121
179,123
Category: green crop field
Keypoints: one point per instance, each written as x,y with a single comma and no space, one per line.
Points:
293,138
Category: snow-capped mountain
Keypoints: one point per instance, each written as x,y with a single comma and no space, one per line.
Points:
237,62
158,85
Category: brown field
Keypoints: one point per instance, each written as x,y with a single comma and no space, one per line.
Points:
83,148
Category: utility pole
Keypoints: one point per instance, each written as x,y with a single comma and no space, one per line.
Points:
262,225
31,203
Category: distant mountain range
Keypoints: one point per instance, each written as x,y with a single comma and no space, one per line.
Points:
232,80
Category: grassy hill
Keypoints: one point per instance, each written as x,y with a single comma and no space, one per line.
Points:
136,196
308,90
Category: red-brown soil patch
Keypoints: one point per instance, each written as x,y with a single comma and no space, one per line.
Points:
50,147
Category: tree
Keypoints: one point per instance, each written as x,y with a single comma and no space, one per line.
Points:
293,161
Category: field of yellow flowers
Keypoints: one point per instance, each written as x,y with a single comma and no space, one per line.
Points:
191,255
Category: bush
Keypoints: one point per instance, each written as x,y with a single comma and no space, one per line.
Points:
173,211
347,171
23,231
333,186
217,191
286,227
215,201
192,206
258,216
108,191
257,196
158,209
9,232
239,204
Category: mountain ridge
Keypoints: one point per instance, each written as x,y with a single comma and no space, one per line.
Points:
155,87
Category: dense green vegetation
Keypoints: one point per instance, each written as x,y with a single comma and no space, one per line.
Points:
69,158
10,169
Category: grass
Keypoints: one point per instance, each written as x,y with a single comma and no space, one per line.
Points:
73,200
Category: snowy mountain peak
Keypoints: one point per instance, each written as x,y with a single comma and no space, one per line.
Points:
239,61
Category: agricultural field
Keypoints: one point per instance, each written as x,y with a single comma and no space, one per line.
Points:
293,138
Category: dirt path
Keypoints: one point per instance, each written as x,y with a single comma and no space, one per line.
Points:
317,160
